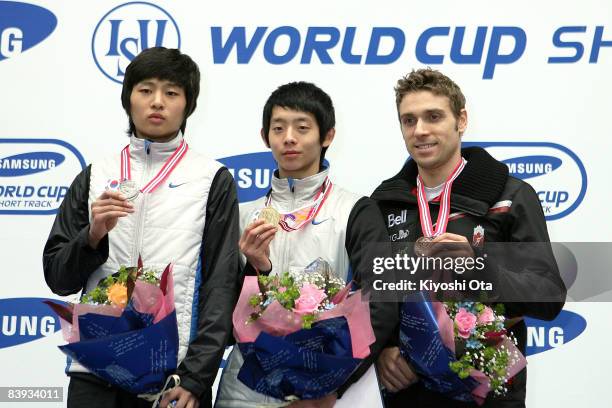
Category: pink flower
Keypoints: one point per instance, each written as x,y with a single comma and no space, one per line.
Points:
465,322
309,300
486,316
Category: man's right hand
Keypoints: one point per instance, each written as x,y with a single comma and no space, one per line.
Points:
105,212
395,372
255,244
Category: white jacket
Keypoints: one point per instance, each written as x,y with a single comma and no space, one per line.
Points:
167,225
191,220
324,237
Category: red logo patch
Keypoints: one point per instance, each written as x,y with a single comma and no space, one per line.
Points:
478,237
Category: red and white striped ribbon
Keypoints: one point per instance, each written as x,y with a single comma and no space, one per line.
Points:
443,215
162,174
315,207
126,173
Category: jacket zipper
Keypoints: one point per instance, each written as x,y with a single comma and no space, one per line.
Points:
139,230
286,236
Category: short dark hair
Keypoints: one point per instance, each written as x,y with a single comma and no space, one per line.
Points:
167,64
427,79
304,97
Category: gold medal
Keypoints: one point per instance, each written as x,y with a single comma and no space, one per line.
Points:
270,215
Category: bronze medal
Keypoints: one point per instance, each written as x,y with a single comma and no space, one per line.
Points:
422,246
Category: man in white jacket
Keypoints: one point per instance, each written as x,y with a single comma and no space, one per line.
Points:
184,210
322,220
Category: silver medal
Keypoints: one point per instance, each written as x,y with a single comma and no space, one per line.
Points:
129,189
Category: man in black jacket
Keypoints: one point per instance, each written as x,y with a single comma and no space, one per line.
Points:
486,205
185,211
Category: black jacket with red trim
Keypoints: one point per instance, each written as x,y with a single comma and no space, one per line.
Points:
507,210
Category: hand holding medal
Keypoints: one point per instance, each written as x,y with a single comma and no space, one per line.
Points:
443,245
422,246
105,213
255,240
116,201
450,245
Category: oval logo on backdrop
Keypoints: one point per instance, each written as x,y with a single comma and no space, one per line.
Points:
35,174
554,171
252,173
22,26
531,166
29,163
26,319
128,29
543,335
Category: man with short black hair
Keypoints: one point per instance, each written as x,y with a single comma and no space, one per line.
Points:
319,219
173,205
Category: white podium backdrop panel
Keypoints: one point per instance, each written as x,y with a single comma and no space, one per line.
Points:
533,74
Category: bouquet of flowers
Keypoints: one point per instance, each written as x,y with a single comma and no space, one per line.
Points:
460,349
301,335
113,290
488,349
125,330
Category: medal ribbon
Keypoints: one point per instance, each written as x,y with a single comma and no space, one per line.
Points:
162,174
443,215
302,216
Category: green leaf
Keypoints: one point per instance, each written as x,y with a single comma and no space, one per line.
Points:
254,300
331,292
150,277
489,352
500,309
308,320
287,280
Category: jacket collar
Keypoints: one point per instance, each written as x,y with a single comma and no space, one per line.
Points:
139,148
291,195
475,190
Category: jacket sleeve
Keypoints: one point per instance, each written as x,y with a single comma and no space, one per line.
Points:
533,275
217,293
68,260
366,226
